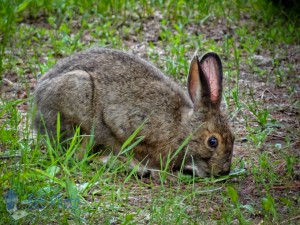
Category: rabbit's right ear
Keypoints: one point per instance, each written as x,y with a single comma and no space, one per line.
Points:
205,81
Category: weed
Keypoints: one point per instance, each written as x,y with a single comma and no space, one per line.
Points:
268,204
233,195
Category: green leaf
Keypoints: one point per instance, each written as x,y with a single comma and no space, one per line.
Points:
233,173
233,194
128,218
184,143
22,6
52,170
268,203
139,139
74,145
74,198
132,136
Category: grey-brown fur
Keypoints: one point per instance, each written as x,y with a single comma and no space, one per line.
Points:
112,93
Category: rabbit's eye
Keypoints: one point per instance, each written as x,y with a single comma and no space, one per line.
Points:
212,142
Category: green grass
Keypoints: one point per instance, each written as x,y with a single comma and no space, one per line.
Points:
258,44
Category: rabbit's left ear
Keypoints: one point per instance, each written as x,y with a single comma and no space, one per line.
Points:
205,81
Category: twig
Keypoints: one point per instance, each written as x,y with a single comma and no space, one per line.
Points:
289,220
286,186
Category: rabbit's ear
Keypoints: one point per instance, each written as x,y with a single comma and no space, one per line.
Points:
205,81
194,80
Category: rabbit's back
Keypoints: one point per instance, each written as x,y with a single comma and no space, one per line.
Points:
119,76
113,65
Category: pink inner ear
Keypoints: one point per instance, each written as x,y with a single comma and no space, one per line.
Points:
210,69
194,82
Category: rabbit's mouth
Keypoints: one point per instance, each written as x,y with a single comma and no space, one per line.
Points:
194,171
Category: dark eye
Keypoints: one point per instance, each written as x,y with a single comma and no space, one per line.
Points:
212,142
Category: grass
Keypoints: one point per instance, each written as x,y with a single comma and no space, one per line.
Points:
259,44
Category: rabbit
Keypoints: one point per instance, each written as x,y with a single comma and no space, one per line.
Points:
110,93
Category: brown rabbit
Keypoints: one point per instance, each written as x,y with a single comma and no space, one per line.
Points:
109,93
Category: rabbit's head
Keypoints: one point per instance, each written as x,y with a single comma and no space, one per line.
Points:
210,149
